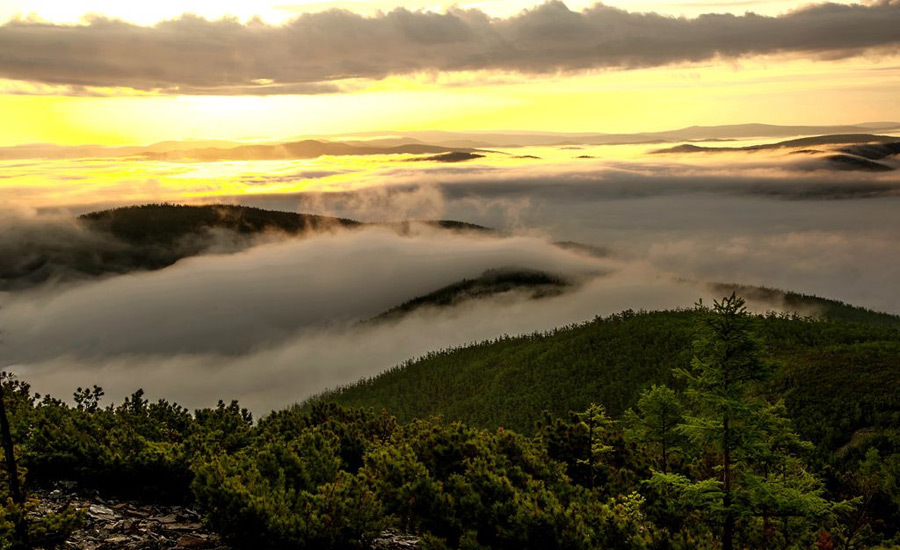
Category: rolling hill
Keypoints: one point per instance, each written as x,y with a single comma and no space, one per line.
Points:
509,382
155,236
423,143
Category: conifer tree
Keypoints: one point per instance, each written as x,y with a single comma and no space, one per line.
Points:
654,423
757,485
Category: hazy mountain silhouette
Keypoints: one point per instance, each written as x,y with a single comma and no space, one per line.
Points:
491,283
214,150
862,153
802,142
294,150
691,133
426,142
850,162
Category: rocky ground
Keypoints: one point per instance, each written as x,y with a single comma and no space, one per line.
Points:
124,525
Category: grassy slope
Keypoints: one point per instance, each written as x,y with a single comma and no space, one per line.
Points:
837,378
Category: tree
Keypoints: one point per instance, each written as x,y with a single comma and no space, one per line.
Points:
9,455
754,480
653,424
15,489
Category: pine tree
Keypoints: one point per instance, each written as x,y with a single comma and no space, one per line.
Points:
597,426
756,485
653,424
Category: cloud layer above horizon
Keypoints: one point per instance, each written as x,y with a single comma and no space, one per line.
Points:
319,52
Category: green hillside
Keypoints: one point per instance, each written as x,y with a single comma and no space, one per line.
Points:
810,306
509,381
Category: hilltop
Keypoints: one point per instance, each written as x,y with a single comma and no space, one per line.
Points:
155,236
509,382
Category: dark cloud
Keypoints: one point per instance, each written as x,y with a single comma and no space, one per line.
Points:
311,53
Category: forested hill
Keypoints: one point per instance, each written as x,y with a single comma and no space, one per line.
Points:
166,223
162,224
838,379
155,236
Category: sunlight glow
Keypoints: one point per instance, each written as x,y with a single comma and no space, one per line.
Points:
759,90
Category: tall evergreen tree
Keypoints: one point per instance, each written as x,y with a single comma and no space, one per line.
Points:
756,483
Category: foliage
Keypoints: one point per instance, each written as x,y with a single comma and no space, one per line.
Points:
287,494
752,481
639,464
20,525
821,369
41,531
653,425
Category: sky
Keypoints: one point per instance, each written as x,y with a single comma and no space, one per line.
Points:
136,73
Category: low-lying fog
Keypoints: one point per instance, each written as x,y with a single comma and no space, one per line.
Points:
280,321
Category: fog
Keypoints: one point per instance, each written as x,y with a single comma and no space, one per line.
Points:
271,320
279,322
237,302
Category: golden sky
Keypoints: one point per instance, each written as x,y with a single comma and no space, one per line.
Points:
643,87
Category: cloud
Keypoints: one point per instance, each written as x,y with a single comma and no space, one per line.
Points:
237,302
320,52
278,323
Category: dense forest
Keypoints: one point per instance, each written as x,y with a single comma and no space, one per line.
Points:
707,428
508,382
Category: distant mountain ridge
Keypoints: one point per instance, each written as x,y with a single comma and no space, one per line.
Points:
298,150
691,133
861,153
206,151
424,142
835,139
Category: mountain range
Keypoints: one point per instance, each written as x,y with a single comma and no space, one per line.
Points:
421,143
